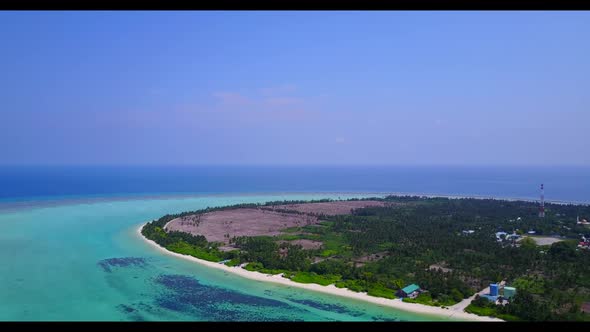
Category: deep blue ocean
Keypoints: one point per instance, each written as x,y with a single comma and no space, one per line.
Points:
50,182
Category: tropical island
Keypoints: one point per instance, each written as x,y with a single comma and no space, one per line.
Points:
450,255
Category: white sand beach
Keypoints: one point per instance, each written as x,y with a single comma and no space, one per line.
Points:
331,289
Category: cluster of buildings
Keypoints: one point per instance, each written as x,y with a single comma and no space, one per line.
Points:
499,293
503,236
511,239
508,239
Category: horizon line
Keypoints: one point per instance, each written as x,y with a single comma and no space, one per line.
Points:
282,165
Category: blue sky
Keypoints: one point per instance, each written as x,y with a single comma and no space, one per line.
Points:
406,88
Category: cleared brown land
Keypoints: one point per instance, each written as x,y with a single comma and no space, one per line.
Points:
220,226
329,208
239,222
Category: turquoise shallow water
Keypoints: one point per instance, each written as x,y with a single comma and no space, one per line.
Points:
84,261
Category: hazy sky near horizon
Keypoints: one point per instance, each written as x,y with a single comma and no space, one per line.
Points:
510,88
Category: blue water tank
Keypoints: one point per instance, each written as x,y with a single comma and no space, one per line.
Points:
494,289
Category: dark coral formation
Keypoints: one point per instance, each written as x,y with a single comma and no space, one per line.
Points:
187,295
328,307
107,264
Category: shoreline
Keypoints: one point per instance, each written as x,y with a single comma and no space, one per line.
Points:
330,289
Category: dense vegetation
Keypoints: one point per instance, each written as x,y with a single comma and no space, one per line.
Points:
420,240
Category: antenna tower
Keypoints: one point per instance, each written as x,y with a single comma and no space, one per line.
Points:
542,204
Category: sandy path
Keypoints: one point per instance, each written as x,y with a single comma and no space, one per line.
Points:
463,304
331,289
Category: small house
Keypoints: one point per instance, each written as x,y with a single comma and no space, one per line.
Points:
410,291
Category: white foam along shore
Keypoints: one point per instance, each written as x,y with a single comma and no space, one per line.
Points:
331,289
